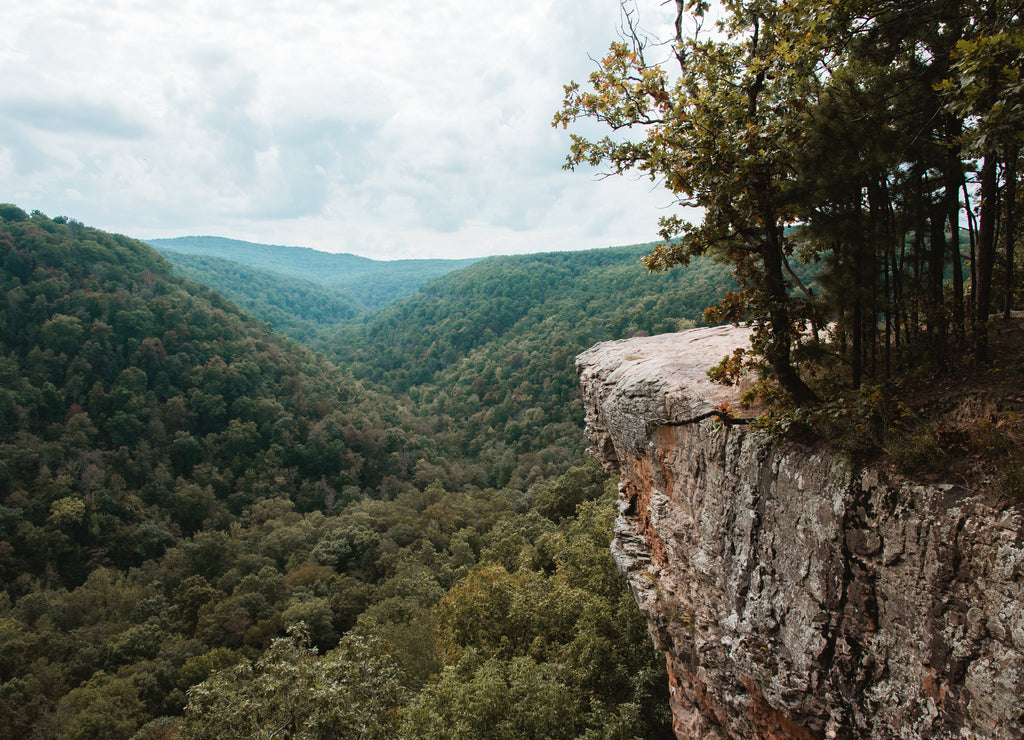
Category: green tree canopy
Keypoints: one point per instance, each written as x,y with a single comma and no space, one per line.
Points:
351,691
834,131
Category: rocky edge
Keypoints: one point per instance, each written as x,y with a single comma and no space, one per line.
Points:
794,595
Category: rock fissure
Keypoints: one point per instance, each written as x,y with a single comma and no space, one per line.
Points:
795,594
723,416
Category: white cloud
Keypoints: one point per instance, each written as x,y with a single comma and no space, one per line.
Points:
394,128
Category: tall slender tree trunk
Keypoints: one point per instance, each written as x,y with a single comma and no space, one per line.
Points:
972,242
878,206
938,320
986,254
781,334
1011,228
857,294
953,177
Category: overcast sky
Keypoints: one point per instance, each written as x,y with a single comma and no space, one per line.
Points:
386,128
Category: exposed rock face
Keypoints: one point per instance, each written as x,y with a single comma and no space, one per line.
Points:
796,597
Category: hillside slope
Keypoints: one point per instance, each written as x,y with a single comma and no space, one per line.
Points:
193,508
493,345
136,406
298,308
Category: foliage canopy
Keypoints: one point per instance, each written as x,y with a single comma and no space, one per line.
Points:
180,487
843,132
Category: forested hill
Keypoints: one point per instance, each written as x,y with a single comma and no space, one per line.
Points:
298,308
136,407
493,345
204,529
301,262
490,345
369,283
557,299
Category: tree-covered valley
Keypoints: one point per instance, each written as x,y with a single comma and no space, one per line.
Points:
255,491
397,524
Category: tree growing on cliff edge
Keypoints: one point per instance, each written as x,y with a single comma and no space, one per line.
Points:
720,136
844,131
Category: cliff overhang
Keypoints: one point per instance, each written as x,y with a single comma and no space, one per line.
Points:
794,594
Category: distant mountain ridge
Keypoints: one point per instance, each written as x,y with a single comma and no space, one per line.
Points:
325,268
310,264
368,283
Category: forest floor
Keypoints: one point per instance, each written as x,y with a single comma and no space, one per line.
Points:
969,426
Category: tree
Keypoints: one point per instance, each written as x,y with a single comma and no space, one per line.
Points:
841,132
721,136
877,127
986,89
495,699
578,484
292,691
11,212
103,707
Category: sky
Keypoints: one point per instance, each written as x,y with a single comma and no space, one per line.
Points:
389,129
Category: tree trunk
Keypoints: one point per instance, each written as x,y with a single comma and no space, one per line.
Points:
781,335
1011,228
953,177
938,321
986,255
972,240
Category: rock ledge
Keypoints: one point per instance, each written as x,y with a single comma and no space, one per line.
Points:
795,596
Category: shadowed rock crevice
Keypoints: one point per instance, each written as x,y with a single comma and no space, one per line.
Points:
796,596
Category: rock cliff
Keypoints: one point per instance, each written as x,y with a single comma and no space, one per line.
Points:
793,595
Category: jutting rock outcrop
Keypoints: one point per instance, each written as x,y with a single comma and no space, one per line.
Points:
796,596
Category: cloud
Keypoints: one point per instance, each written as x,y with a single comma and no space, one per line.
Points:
72,117
386,128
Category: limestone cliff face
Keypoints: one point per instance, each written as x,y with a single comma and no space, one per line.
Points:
795,597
